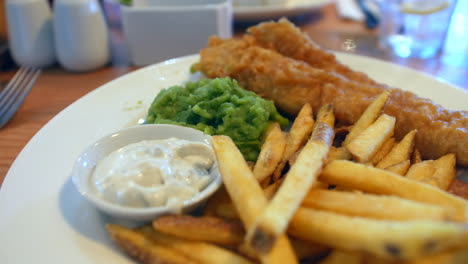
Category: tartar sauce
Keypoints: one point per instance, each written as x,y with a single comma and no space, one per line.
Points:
154,173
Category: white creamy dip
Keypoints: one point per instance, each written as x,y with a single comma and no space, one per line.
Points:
154,173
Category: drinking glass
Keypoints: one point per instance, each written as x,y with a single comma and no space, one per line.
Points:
414,28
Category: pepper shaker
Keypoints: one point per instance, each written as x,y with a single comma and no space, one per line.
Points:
30,33
81,36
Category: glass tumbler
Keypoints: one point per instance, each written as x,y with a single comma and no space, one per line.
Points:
414,28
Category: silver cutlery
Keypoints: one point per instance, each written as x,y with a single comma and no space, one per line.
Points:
16,90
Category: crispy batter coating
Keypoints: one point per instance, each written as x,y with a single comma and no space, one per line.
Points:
459,188
280,63
288,40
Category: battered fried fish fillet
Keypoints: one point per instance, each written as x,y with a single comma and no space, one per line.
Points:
285,71
288,40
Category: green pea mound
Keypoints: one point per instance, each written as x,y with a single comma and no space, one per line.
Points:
217,107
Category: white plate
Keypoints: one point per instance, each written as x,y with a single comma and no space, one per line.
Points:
289,8
42,217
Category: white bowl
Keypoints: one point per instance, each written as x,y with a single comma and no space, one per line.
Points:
87,161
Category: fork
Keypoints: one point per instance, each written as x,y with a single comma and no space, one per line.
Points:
16,90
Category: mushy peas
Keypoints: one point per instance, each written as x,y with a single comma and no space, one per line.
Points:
217,107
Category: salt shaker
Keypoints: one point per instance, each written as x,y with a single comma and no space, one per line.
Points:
30,33
81,36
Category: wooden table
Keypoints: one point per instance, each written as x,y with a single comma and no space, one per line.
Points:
56,88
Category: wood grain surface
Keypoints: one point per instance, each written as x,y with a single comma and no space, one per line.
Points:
57,88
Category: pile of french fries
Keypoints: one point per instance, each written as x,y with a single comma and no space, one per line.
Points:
318,194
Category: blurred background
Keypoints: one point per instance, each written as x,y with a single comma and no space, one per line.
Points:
3,35
334,25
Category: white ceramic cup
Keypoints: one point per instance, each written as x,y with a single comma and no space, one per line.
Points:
30,34
87,161
157,30
81,36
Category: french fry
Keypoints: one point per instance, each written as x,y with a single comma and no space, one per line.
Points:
399,168
373,180
341,257
298,134
251,165
458,256
445,170
271,189
422,171
222,232
416,157
339,153
400,152
135,244
226,210
440,172
387,239
266,182
373,206
319,185
205,229
368,117
219,197
369,258
293,158
198,251
366,144
247,195
383,150
274,220
305,249
247,251
271,152
326,115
